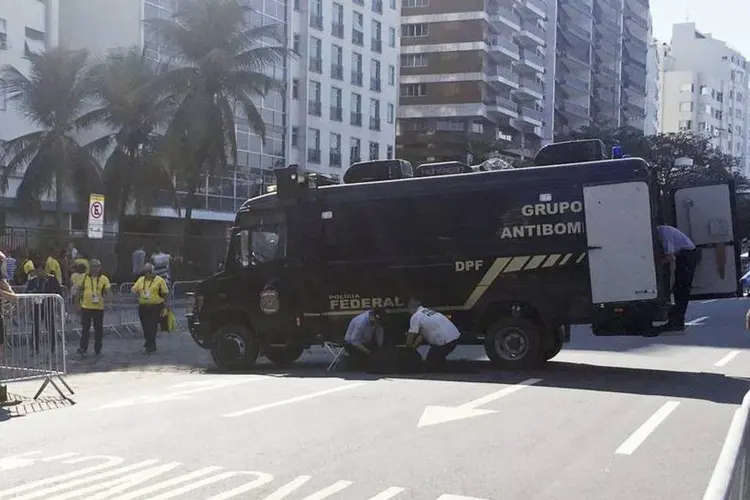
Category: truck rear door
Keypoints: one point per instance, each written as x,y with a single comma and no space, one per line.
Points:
705,213
620,237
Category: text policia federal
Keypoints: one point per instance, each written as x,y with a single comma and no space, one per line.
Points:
353,302
546,228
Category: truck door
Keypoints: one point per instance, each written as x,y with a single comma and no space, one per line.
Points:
619,234
706,214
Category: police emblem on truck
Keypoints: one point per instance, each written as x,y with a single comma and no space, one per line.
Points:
269,301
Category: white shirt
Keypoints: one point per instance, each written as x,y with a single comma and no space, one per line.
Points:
434,327
673,240
361,330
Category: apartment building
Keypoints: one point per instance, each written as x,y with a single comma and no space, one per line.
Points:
475,71
344,91
109,25
27,26
602,48
654,70
705,90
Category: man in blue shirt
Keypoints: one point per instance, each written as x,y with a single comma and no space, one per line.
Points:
364,336
680,249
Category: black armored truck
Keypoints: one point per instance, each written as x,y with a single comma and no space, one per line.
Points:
513,257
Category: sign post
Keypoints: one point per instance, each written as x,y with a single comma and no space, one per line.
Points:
96,216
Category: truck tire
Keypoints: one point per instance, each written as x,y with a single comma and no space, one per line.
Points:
283,355
554,350
514,343
234,348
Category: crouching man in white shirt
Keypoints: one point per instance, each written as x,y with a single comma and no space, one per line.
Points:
432,328
363,337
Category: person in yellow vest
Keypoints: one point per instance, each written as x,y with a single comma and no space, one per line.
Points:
52,266
94,287
152,292
82,260
79,272
28,268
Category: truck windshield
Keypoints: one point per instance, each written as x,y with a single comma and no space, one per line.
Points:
258,239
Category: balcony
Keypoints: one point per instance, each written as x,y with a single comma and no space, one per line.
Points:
337,113
357,78
605,73
531,36
575,84
615,5
503,106
356,119
375,123
607,28
637,20
316,64
605,48
337,71
533,8
375,84
334,158
577,8
575,110
377,6
499,44
313,155
532,116
532,62
572,30
358,37
605,96
503,75
337,30
377,45
505,16
530,89
316,21
314,108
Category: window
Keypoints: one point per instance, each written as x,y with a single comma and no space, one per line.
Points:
685,124
355,150
415,30
295,88
391,75
739,96
35,42
411,4
335,150
377,6
356,68
420,90
738,113
313,103
413,60
336,104
686,87
392,38
393,4
316,54
706,108
295,137
316,14
337,23
3,34
684,106
375,75
358,34
356,107
377,36
374,150
296,43
313,145
389,152
296,5
337,62
705,90
391,112
261,239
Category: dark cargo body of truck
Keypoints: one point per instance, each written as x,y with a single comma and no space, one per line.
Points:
514,257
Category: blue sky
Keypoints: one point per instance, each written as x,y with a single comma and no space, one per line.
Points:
727,20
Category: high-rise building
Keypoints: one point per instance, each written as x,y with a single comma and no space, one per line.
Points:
705,90
475,71
654,69
344,88
602,48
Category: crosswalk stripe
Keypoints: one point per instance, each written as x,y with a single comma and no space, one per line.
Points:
288,488
331,490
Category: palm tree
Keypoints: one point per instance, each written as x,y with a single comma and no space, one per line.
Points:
220,65
52,98
134,171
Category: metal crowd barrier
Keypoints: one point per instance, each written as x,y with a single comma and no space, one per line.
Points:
731,477
34,346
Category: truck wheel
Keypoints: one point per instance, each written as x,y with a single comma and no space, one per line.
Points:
234,348
514,343
283,355
554,350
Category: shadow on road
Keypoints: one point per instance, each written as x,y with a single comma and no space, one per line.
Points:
713,387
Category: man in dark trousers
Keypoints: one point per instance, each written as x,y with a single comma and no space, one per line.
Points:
364,337
680,249
44,310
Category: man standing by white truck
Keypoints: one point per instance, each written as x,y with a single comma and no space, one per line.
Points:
681,250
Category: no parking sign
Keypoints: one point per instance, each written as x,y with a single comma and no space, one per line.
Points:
96,216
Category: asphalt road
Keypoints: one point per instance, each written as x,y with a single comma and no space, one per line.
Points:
619,418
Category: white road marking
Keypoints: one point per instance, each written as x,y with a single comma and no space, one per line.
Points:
113,479
709,301
196,387
440,414
388,494
644,431
697,321
297,399
288,488
726,359
331,490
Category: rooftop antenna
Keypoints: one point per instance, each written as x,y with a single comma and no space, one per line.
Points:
687,12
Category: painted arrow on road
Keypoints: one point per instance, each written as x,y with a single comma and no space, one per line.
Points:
441,414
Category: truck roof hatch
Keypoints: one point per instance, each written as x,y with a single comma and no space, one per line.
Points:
561,153
378,170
